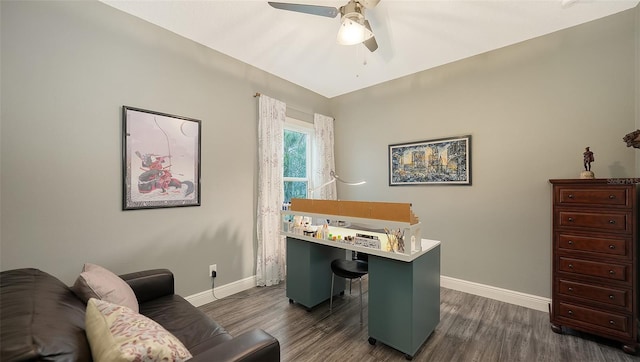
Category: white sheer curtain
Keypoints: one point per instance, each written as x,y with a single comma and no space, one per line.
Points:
271,255
323,161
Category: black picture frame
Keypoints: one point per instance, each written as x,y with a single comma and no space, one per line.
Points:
444,161
160,159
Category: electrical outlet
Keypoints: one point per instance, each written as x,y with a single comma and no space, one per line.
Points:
213,268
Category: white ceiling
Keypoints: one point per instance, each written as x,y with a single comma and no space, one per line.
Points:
412,35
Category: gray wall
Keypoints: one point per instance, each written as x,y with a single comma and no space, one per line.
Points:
531,108
67,68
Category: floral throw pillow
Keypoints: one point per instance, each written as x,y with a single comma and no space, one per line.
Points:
117,333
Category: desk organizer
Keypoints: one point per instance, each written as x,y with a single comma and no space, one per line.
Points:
378,228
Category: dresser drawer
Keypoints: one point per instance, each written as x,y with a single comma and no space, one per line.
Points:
596,221
609,271
600,318
592,244
609,196
611,296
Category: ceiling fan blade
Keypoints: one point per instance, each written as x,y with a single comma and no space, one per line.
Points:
327,11
369,4
370,43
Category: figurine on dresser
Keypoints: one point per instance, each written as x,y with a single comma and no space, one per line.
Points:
588,158
632,139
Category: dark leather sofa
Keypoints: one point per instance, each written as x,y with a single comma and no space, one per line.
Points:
41,319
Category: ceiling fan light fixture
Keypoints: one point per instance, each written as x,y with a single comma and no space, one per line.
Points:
352,29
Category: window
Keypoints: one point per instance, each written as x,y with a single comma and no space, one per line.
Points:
297,158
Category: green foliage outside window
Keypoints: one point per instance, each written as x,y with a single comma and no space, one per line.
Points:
295,190
295,164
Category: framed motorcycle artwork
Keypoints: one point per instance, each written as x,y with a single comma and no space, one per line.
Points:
160,160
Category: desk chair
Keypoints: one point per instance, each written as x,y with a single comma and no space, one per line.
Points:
350,269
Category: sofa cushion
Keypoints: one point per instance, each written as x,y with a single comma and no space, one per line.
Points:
117,333
100,283
40,319
194,328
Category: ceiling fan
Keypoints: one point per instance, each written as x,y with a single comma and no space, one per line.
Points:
354,28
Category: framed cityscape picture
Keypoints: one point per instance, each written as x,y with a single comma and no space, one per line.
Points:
160,160
445,161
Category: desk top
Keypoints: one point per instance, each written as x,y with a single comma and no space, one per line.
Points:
426,246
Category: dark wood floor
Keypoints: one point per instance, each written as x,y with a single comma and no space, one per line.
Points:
471,328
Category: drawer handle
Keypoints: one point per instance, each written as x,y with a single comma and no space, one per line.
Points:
570,266
570,289
612,197
570,219
612,247
570,242
612,222
571,196
612,323
611,272
570,312
611,297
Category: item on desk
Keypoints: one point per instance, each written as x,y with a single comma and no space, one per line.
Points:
294,226
395,240
368,241
415,247
338,223
309,230
391,243
324,232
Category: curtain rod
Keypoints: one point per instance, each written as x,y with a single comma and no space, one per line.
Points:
258,94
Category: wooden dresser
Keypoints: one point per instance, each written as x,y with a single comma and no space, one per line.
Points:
595,259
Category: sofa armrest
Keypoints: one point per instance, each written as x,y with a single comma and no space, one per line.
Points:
255,345
150,284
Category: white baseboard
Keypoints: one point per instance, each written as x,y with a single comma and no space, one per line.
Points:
222,291
503,295
487,291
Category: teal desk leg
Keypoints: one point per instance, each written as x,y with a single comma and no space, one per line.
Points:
404,301
309,272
